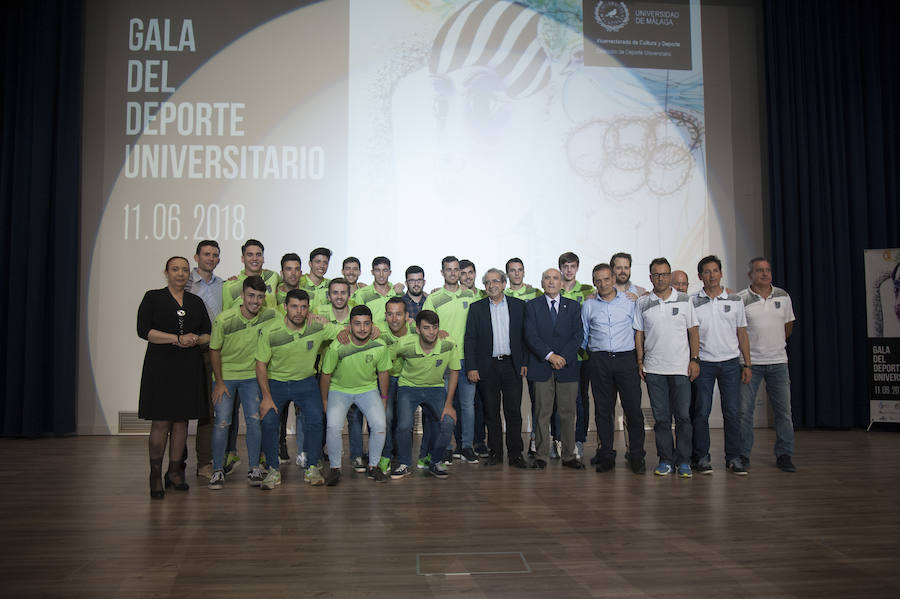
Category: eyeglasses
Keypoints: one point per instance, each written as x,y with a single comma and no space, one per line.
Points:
660,275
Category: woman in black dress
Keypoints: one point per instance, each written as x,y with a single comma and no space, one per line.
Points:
173,382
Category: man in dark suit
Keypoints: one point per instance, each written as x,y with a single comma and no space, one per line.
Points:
553,334
495,361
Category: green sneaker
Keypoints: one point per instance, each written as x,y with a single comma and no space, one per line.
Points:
424,463
384,464
231,460
314,476
272,479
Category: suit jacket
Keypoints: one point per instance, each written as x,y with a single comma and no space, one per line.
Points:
479,342
541,338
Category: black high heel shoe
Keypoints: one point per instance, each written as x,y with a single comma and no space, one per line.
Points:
156,483
182,486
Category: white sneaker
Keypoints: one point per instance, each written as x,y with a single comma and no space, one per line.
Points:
272,479
255,477
301,460
217,480
579,450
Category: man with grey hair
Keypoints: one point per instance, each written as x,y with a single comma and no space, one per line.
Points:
680,281
495,362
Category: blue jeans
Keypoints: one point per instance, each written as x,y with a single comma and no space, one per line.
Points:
778,388
248,393
728,374
307,400
372,408
464,404
355,424
582,404
670,394
432,401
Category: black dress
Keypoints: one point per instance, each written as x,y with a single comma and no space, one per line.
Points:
173,381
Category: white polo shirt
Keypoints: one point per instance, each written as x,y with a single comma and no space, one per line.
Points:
665,324
766,318
719,319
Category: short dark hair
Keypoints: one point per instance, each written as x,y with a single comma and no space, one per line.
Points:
395,300
320,252
447,260
380,260
349,260
255,283
290,257
429,316
169,261
414,270
297,294
706,260
466,264
512,260
250,242
205,243
625,255
338,281
601,266
567,257
360,311
657,261
755,260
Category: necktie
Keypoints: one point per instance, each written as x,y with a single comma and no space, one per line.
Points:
553,312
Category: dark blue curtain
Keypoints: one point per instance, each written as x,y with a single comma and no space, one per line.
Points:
39,184
832,87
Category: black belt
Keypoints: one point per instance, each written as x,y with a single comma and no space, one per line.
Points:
613,354
502,358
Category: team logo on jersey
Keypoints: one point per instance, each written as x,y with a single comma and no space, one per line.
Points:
309,345
438,363
674,311
726,308
777,305
465,305
369,358
181,313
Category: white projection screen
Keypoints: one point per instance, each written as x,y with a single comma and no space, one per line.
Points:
407,128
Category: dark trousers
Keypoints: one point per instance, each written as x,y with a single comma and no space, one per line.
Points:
501,383
613,373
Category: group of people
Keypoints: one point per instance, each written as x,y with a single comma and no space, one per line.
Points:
340,350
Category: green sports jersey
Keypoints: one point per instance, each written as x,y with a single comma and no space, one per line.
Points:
236,337
327,310
579,292
368,296
291,355
390,339
452,308
231,290
318,294
281,298
524,293
355,368
420,369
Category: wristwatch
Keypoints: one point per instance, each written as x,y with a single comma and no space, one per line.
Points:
696,359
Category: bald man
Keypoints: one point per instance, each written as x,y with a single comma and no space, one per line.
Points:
680,281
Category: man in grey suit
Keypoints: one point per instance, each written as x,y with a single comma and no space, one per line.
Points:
553,334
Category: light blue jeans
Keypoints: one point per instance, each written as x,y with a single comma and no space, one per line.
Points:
778,388
728,375
248,393
371,406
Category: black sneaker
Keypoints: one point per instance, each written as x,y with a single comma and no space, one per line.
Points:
468,455
606,463
736,466
448,458
283,456
333,478
518,462
597,457
638,465
376,474
703,468
481,450
785,463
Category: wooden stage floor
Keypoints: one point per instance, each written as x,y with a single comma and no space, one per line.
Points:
77,521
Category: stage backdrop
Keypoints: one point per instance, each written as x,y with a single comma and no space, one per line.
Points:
408,128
